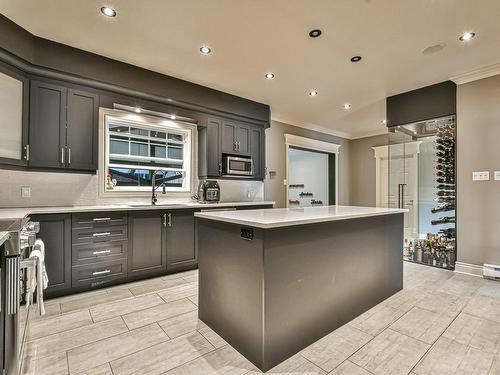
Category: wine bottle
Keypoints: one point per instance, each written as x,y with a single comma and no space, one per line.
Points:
443,220
445,174
443,193
445,180
443,208
445,187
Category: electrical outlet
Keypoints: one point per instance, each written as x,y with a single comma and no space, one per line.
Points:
481,176
497,175
25,192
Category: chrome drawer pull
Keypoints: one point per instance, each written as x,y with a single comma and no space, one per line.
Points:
98,219
103,234
99,252
100,272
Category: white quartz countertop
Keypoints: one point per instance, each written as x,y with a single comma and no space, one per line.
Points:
15,215
282,217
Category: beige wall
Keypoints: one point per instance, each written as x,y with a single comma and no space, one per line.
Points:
478,204
274,188
362,165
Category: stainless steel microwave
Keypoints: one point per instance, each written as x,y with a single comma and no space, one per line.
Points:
238,166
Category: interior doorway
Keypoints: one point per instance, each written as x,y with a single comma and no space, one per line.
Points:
312,171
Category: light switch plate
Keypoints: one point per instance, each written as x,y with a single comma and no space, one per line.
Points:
481,176
25,192
497,175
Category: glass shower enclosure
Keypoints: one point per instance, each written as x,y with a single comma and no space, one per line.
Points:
422,180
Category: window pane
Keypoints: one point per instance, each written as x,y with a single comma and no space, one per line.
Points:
118,128
175,152
158,151
138,131
158,135
175,137
131,177
118,147
139,149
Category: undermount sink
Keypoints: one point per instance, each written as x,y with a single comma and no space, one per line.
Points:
157,205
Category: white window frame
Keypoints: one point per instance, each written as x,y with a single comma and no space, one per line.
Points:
153,123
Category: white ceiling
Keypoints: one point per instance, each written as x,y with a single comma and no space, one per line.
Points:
252,37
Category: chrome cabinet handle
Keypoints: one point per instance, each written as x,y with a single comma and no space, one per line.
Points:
27,148
220,169
102,234
169,220
99,252
164,220
99,219
100,272
69,155
62,155
239,146
235,147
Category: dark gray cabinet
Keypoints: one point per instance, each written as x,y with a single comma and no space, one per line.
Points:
257,151
214,154
47,130
147,243
181,252
63,127
14,106
55,231
229,137
235,137
82,140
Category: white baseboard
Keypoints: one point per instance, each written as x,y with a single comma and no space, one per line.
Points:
469,269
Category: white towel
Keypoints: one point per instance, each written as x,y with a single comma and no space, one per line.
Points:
42,280
40,246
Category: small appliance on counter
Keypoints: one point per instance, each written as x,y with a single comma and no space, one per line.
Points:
208,191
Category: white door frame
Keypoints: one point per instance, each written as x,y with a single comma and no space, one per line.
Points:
313,145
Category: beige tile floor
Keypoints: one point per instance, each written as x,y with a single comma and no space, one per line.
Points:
441,323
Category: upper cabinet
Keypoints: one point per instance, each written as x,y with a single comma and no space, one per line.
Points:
14,96
236,137
63,127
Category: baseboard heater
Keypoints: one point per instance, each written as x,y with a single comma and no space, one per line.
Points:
491,271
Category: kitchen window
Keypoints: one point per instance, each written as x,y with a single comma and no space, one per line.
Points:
135,146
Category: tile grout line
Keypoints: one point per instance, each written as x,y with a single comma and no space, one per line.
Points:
432,345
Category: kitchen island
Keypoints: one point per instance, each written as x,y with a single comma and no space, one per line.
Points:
273,281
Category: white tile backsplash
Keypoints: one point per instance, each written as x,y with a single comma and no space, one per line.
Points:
72,189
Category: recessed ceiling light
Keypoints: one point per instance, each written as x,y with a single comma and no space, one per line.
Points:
137,110
384,122
315,33
269,75
347,106
173,117
356,59
465,37
108,11
313,93
205,50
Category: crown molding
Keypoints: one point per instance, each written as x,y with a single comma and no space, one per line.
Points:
474,75
371,133
313,127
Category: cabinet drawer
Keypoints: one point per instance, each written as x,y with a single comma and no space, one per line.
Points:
99,273
98,219
91,253
99,235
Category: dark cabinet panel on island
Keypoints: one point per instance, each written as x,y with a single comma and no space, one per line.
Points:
147,243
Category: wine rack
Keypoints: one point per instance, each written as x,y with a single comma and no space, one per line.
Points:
438,248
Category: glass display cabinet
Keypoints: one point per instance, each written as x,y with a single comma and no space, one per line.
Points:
422,180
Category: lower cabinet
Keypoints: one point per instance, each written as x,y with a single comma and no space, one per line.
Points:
181,251
55,231
147,243
84,251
